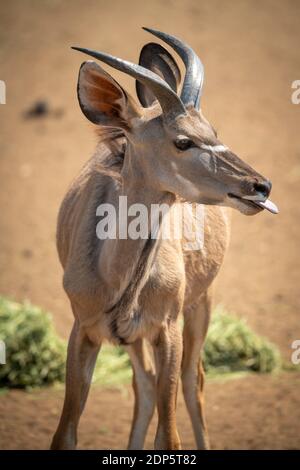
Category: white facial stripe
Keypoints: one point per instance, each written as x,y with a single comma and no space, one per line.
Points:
209,161
214,148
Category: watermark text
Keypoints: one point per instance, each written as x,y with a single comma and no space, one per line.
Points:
2,92
184,221
296,94
2,352
295,357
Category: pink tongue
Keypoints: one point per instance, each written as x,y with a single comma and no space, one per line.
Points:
269,205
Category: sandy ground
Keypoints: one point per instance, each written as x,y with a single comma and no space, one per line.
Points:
251,56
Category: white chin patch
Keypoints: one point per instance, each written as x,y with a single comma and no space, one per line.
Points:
243,208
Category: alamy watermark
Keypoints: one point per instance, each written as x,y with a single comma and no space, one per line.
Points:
295,357
183,221
2,92
2,352
296,94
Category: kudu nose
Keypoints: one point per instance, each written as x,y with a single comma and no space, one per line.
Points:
263,187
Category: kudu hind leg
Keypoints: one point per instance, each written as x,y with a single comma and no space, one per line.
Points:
196,322
144,391
81,359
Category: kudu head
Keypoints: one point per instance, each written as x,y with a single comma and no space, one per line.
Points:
171,143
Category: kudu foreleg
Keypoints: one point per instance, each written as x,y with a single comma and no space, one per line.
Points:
82,355
168,354
144,391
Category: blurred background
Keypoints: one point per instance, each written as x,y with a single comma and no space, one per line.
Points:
250,51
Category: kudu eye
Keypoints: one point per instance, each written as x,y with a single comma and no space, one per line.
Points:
184,143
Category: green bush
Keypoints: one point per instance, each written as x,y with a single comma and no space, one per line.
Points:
35,355
232,346
113,366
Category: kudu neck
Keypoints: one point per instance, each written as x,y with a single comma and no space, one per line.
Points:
137,183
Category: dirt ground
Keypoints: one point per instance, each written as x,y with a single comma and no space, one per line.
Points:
251,57
249,413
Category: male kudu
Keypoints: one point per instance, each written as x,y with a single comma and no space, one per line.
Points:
132,291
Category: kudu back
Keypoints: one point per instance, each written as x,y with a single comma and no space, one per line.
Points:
132,290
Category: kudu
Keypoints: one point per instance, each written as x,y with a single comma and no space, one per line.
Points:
132,291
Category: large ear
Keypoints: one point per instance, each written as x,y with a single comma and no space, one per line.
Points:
156,58
102,100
